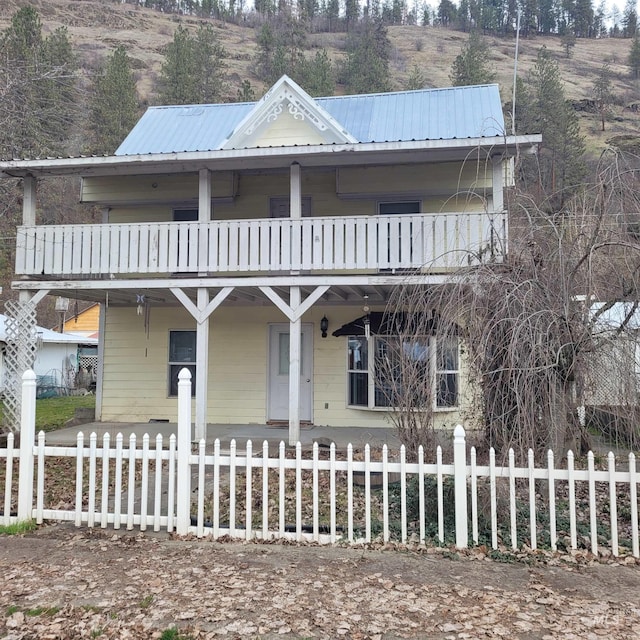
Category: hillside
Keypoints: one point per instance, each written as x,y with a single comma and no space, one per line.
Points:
96,27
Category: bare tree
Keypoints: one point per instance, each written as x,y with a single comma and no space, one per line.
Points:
530,331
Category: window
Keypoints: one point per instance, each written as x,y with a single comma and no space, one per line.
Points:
182,353
358,356
185,215
399,370
390,208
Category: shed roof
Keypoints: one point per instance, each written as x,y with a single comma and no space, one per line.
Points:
47,335
427,114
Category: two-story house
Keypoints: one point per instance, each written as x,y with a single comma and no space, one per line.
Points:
237,239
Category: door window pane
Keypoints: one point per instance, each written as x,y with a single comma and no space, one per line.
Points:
283,354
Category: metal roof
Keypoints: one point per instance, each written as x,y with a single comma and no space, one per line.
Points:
428,114
47,335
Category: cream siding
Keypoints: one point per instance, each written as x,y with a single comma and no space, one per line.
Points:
135,386
154,188
254,191
437,179
288,131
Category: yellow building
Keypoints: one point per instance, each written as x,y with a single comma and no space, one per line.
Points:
258,245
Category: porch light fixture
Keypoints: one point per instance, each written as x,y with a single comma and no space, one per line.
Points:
324,325
367,319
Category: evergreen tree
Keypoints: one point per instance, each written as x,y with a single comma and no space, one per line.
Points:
416,79
38,92
568,40
599,21
447,13
177,84
547,21
630,19
193,71
332,14
245,92
351,13
366,69
318,77
209,67
582,23
543,108
602,93
471,66
281,45
634,56
113,103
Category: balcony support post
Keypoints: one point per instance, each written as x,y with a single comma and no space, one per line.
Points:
201,311
202,366
295,340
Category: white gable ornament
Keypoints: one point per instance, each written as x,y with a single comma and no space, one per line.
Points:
299,104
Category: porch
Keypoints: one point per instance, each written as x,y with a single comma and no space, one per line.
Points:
432,242
241,433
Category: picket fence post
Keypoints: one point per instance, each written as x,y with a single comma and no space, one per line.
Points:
460,487
27,438
183,484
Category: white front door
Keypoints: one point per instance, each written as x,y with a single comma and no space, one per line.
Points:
278,384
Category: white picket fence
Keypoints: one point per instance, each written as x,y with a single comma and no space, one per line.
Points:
327,497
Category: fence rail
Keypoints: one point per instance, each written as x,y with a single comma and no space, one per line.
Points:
327,496
313,244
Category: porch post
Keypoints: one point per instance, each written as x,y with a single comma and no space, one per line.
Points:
202,366
497,186
29,184
204,196
295,338
295,195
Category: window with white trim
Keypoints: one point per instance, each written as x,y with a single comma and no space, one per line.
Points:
398,207
182,353
400,366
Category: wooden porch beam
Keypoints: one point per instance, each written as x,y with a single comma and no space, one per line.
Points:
201,313
295,309
354,282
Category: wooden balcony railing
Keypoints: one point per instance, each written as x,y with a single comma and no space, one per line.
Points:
354,243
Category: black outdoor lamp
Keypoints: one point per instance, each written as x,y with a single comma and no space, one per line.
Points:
324,325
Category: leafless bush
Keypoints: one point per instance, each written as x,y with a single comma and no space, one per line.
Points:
531,330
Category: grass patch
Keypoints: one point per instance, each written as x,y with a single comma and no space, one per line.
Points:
53,413
42,611
18,528
173,634
11,610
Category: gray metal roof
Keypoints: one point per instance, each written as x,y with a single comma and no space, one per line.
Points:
428,114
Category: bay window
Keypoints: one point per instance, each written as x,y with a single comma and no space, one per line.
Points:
408,372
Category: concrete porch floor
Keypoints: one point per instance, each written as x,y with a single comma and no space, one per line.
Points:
257,433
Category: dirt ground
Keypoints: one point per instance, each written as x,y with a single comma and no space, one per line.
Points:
64,583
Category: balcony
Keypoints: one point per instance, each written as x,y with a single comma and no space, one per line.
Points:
432,242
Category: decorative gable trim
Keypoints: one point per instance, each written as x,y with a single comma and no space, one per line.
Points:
286,95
